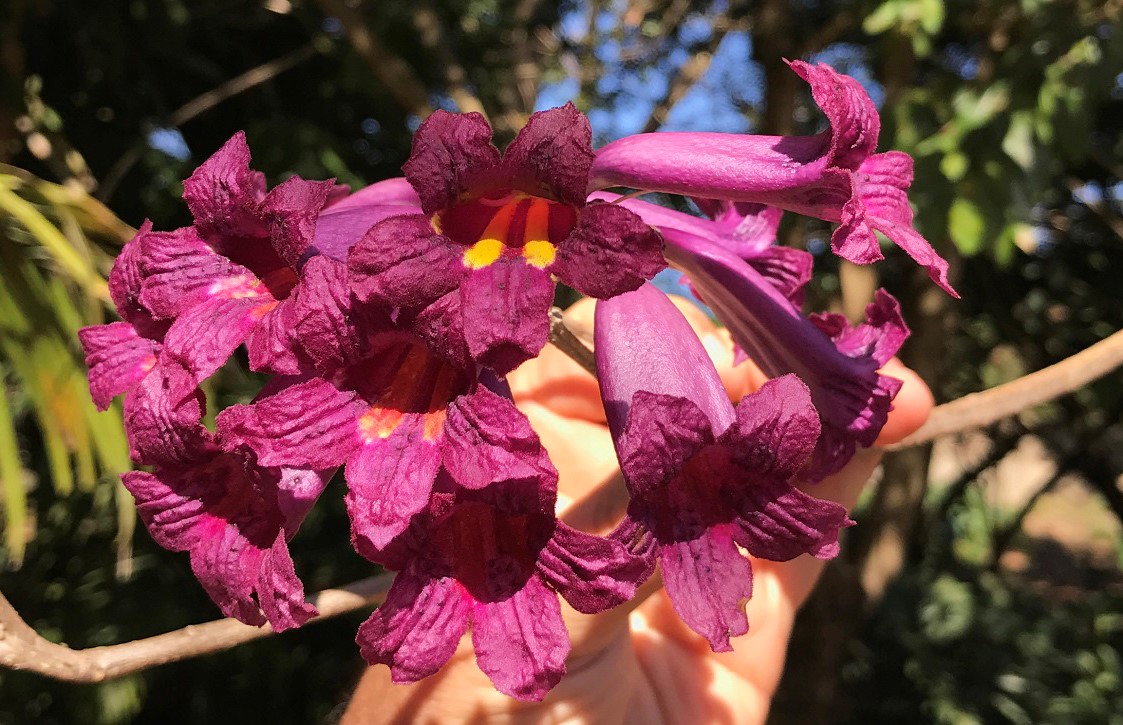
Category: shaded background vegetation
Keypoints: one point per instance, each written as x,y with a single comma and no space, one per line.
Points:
983,581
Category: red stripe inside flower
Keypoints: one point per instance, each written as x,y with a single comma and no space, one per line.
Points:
512,225
415,383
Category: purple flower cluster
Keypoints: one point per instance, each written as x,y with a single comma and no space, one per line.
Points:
388,319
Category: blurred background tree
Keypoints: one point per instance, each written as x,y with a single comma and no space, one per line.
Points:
983,581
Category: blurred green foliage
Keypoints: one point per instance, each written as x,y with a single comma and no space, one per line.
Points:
958,642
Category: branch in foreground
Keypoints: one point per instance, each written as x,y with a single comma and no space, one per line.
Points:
989,406
564,339
21,647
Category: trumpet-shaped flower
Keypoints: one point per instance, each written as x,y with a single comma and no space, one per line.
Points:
494,558
834,175
494,230
705,477
754,300
231,514
395,413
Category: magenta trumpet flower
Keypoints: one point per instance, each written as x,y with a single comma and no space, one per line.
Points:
494,230
834,175
753,297
497,559
233,515
705,477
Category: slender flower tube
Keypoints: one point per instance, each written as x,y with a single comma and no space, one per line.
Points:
705,477
835,175
494,230
754,300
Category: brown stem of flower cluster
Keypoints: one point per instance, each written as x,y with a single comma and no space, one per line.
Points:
563,338
22,648
989,406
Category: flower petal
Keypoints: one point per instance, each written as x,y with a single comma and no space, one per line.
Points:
162,417
417,628
223,193
451,153
593,573
879,337
552,154
117,358
505,307
854,123
215,510
610,251
486,440
883,182
786,269
204,337
661,434
272,342
777,428
402,262
777,521
289,213
326,326
441,327
709,581
126,281
521,642
388,192
389,480
340,227
311,424
749,229
179,270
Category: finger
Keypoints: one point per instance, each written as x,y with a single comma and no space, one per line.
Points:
911,407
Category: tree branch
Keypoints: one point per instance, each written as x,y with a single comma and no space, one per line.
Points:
989,406
690,72
389,68
201,104
21,647
435,40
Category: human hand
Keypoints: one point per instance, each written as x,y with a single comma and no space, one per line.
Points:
636,663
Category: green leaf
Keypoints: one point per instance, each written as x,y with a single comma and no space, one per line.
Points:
12,480
954,165
886,16
967,226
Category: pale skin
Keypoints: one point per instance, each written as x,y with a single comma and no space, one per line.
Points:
637,663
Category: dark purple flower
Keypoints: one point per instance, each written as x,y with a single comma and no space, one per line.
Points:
396,415
492,558
231,514
754,301
834,175
705,477
226,279
495,229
